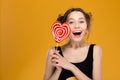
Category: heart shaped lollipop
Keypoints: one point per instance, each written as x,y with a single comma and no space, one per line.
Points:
60,31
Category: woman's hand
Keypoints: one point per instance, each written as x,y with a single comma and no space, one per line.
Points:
60,61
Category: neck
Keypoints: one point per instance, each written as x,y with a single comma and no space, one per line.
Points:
76,45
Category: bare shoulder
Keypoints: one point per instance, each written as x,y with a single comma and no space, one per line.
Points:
51,51
97,51
97,48
49,54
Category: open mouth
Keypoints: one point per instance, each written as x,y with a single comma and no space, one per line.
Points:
77,33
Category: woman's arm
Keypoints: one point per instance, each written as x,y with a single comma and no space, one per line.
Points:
51,73
78,74
97,63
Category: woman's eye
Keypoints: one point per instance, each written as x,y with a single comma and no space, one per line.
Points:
70,22
81,21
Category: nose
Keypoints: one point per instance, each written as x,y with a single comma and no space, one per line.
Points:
77,26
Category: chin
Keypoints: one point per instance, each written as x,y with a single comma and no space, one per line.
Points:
76,39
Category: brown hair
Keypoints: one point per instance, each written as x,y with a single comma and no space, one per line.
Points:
87,16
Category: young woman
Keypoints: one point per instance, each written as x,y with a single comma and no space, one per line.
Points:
75,60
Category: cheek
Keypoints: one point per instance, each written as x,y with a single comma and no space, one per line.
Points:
84,26
72,26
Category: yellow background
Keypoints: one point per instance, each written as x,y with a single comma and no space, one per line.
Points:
26,36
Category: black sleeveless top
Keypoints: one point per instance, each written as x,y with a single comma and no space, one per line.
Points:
85,66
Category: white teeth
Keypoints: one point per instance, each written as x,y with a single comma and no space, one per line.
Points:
76,31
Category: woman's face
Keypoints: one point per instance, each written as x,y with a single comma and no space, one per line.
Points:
78,25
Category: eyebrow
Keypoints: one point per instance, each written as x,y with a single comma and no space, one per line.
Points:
72,18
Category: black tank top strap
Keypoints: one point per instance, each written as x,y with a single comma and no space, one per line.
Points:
59,48
90,52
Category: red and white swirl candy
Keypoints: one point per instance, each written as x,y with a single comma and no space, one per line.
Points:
60,31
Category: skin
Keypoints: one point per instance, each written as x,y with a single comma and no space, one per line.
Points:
75,47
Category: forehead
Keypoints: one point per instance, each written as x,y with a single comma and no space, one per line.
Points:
76,14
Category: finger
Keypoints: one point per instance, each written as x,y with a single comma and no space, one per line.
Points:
56,65
58,54
55,56
57,51
55,60
54,52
